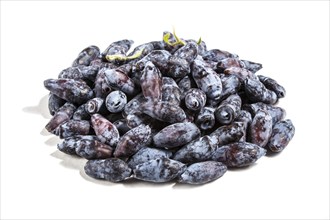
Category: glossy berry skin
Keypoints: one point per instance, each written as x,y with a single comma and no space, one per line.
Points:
205,119
54,103
121,81
158,170
105,131
185,84
101,87
206,79
134,120
163,111
147,153
202,172
241,73
121,125
81,113
176,135
238,154
202,48
272,85
177,67
99,63
257,92
179,63
111,169
170,91
200,149
93,149
151,82
134,105
228,109
227,134
63,114
228,62
217,55
71,90
282,134
86,56
69,145
79,72
115,102
195,99
230,85
132,141
95,105
246,118
276,112
158,57
188,52
146,48
72,128
261,128
251,66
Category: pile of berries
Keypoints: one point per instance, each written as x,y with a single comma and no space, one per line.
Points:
168,110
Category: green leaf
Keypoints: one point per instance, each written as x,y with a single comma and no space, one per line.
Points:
199,41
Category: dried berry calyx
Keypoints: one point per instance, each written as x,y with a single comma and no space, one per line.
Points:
121,57
170,110
178,41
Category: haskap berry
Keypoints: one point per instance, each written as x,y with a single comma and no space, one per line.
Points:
170,110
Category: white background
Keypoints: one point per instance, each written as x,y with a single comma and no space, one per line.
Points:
39,39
